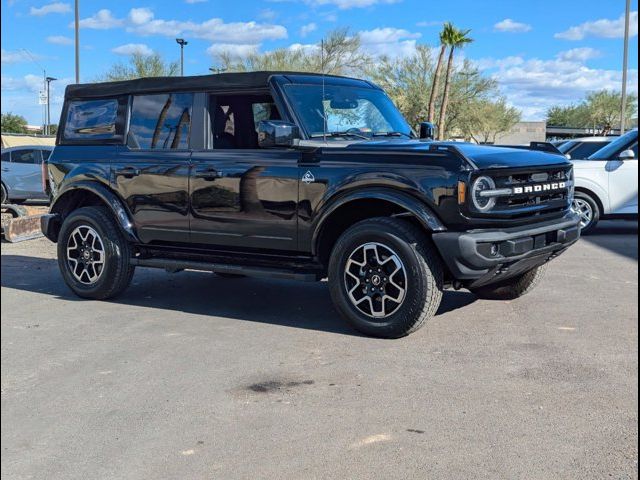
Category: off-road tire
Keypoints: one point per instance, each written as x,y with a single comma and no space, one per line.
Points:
424,276
512,288
117,271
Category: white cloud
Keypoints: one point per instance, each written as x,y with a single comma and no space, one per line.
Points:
267,14
139,16
307,29
603,28
18,56
581,54
535,85
131,48
234,49
308,48
60,40
511,26
393,42
347,4
56,7
102,20
430,23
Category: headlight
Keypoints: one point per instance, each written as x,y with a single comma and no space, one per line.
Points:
483,203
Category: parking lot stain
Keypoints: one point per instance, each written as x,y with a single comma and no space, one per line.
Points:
277,385
413,430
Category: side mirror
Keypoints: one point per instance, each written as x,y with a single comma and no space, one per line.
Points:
626,155
277,133
427,130
567,156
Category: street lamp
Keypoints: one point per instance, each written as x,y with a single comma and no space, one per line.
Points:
217,70
49,80
77,39
182,42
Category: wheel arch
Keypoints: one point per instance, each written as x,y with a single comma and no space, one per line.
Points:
593,195
343,212
83,194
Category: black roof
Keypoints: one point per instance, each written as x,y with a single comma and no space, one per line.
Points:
221,81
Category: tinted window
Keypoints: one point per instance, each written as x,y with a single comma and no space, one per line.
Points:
91,119
25,156
160,121
583,150
6,156
612,150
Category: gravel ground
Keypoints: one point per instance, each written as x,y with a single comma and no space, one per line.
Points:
193,376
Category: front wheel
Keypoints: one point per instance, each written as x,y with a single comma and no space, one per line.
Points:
93,255
589,211
385,278
512,288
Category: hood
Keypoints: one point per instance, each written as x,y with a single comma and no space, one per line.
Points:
483,156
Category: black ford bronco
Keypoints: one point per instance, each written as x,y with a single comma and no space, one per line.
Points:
297,176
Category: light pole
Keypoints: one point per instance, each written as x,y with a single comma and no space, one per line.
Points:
625,60
182,42
77,30
217,70
48,80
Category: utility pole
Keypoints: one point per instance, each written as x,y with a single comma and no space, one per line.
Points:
182,42
625,60
77,29
49,80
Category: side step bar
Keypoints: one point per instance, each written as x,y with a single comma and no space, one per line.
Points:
173,265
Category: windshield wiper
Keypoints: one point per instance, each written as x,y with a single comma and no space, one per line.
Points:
341,134
392,134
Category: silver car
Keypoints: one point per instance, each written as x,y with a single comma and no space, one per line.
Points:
22,173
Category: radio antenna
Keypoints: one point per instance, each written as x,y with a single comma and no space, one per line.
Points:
324,113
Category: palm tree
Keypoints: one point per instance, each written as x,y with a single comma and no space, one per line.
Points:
457,39
445,35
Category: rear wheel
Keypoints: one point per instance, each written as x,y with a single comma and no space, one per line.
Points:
588,209
512,288
93,255
385,278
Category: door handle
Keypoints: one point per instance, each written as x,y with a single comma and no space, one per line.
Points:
208,174
128,172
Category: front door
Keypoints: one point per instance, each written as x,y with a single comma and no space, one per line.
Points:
243,196
623,185
152,173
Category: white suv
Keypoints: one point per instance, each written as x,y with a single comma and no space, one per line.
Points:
606,183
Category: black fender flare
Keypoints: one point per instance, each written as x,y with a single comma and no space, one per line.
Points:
108,197
425,215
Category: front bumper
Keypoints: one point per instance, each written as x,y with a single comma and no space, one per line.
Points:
50,226
482,257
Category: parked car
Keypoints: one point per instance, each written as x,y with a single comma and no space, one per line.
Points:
607,183
297,176
22,173
579,148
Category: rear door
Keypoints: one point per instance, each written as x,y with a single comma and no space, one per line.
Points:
152,172
243,196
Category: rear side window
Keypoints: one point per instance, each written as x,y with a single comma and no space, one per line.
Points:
6,156
91,119
25,156
160,121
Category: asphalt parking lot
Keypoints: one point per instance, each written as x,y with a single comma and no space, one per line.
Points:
193,376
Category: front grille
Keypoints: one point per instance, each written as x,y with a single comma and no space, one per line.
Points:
530,203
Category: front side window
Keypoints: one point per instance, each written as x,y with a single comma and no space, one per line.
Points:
160,121
91,119
587,148
340,111
24,156
6,156
611,151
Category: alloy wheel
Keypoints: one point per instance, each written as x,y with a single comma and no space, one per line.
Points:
375,279
584,209
85,255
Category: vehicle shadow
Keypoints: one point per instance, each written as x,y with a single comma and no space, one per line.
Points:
277,302
619,237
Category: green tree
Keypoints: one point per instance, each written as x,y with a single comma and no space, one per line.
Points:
445,34
11,123
140,66
340,54
485,119
456,39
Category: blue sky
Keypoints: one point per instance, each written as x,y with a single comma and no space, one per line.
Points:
542,53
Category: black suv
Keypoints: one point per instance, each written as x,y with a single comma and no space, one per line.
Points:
297,176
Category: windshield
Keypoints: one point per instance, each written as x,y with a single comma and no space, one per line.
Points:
612,150
352,112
